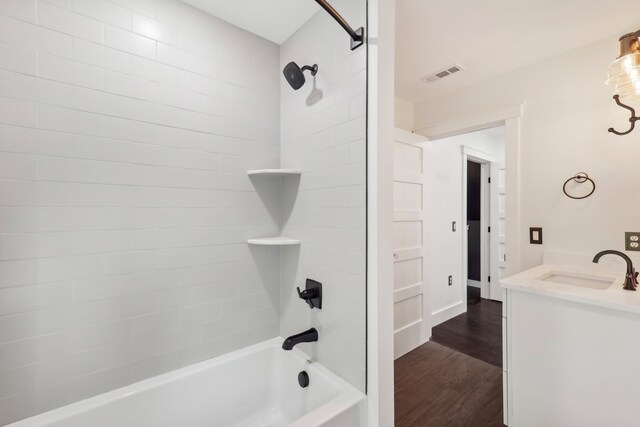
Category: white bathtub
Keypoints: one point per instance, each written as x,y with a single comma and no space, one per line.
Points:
256,386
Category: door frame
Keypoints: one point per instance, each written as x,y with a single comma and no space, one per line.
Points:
511,118
485,160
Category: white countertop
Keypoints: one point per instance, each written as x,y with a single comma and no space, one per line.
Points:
613,297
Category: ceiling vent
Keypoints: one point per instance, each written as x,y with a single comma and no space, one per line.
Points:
455,68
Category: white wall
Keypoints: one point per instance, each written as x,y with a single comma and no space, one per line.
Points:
564,131
323,133
126,128
380,133
404,113
443,190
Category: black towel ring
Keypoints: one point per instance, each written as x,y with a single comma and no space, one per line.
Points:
580,178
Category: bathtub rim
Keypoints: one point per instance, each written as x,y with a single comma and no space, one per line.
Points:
348,396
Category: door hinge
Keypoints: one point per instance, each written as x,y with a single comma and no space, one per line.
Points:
489,229
489,279
489,180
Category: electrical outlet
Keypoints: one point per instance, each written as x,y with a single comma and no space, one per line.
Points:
450,280
632,240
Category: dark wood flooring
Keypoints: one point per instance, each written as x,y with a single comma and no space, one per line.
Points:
436,386
478,332
473,295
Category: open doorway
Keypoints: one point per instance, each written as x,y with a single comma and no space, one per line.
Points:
449,238
459,370
467,226
483,214
475,246
464,213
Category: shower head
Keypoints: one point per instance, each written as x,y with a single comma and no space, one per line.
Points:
295,75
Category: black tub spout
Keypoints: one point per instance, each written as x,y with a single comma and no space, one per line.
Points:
310,335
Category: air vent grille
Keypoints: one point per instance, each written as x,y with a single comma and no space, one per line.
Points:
455,68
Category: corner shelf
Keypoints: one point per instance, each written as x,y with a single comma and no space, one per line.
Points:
274,172
273,241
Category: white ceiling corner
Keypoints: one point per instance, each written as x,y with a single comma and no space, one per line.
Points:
274,20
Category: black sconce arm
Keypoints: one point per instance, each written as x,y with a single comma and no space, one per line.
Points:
633,119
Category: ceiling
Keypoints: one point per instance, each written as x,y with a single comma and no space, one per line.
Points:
274,20
496,132
492,37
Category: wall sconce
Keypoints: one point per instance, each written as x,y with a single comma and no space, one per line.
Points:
624,76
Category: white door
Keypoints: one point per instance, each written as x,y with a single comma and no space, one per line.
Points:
498,260
412,313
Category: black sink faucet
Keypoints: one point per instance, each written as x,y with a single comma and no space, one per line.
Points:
631,277
310,335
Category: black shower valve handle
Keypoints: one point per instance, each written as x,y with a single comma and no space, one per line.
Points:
307,295
312,294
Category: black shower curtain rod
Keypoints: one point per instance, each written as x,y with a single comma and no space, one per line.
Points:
357,36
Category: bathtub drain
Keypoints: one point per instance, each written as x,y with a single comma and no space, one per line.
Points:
303,379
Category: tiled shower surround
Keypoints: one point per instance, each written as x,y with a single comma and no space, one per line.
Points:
323,133
126,130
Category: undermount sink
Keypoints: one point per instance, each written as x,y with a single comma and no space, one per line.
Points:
578,280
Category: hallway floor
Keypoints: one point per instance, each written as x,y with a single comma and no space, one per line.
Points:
478,332
456,379
437,386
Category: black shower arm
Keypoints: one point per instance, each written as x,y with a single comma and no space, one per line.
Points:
312,68
357,37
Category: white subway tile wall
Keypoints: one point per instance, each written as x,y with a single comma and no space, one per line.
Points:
324,133
126,129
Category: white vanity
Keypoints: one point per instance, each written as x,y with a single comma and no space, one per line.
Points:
571,339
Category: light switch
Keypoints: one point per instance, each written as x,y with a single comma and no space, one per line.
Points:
535,235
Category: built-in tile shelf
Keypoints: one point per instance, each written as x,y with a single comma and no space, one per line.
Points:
273,241
274,172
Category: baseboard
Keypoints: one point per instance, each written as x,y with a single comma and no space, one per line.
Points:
409,338
447,313
474,283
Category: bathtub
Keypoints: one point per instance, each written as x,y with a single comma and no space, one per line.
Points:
255,386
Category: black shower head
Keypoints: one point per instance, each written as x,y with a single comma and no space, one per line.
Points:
295,74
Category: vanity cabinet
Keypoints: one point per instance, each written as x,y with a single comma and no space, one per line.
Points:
571,357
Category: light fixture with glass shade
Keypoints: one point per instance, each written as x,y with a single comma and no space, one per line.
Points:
624,76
